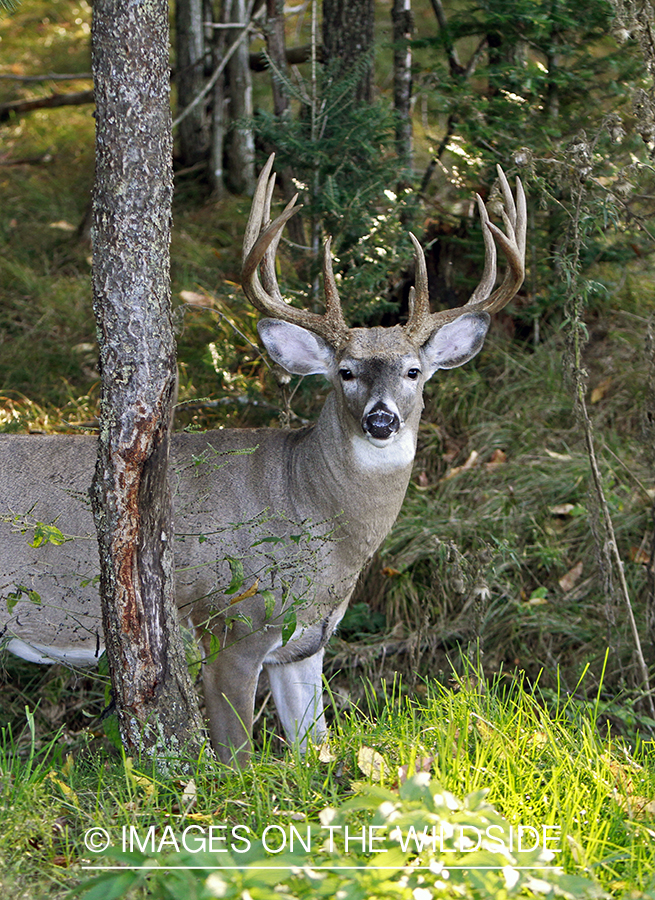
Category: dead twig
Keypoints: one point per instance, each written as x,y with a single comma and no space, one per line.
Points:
18,107
26,160
51,76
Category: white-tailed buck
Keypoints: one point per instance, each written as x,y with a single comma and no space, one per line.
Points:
272,526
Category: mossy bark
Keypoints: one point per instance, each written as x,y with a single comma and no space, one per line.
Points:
155,700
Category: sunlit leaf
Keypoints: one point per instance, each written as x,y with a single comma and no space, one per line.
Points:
371,763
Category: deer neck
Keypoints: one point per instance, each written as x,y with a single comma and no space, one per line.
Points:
362,486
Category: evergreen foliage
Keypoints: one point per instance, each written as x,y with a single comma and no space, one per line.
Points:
536,81
341,153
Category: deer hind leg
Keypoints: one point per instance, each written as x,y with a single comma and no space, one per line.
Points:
298,693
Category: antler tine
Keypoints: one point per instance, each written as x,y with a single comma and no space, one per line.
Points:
267,265
422,323
421,296
268,303
486,284
512,244
258,209
260,244
333,311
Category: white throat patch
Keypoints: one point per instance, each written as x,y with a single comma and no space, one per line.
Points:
377,456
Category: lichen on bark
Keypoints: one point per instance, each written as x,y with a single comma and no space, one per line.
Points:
156,703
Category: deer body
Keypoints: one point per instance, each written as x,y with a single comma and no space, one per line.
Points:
272,527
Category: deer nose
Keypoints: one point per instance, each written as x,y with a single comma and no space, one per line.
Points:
380,423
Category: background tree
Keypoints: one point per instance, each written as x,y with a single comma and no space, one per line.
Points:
276,53
240,155
155,700
402,19
191,60
348,28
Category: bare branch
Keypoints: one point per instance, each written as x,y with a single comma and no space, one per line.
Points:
456,68
17,107
52,76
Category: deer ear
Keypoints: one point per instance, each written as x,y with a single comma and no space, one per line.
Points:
454,344
297,350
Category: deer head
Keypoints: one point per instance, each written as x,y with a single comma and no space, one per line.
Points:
303,342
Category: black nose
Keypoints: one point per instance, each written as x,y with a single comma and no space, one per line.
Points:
381,423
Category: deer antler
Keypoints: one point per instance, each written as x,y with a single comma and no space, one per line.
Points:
422,323
260,244
262,237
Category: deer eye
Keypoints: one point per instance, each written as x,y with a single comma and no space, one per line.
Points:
413,374
346,374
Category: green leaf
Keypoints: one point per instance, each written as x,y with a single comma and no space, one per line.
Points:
288,626
110,887
47,534
111,727
269,603
236,571
476,799
87,581
271,539
177,885
20,593
214,648
233,617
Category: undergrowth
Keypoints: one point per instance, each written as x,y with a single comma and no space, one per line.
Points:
503,754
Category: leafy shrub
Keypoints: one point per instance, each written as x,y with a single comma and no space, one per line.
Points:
425,842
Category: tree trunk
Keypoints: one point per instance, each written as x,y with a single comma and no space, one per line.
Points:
241,142
156,703
276,47
401,16
190,52
277,53
348,41
219,116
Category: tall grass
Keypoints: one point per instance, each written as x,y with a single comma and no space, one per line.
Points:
503,750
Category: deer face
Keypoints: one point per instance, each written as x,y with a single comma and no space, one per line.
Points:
378,376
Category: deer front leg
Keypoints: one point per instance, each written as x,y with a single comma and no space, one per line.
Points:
230,682
298,693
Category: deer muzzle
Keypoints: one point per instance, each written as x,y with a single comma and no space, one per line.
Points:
380,423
